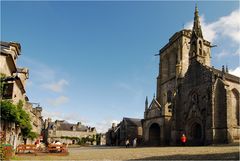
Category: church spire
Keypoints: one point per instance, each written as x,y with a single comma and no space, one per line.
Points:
196,26
197,42
146,103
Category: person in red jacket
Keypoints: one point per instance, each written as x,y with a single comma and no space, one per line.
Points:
183,139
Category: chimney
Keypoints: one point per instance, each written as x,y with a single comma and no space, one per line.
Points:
113,125
226,69
223,69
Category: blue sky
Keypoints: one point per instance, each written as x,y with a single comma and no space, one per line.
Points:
94,61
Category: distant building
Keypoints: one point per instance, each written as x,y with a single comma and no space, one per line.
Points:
128,128
66,132
111,136
102,139
14,89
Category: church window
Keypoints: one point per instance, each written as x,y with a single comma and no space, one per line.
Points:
193,46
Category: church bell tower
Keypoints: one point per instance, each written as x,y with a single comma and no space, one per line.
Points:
199,48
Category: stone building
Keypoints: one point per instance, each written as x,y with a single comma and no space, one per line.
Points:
35,113
111,136
65,132
192,97
15,90
128,128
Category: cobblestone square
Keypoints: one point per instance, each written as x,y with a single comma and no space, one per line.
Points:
220,152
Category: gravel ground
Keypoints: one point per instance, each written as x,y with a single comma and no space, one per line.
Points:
220,152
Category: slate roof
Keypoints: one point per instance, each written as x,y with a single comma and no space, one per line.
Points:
228,76
132,121
64,126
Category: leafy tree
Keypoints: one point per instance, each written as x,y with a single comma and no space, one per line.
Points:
16,114
98,139
9,111
32,135
24,121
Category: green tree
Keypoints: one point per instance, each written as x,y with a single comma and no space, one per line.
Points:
32,135
9,111
98,139
16,114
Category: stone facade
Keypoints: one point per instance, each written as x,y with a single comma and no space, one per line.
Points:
64,131
14,90
128,128
192,97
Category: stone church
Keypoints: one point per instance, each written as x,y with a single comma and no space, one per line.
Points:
192,97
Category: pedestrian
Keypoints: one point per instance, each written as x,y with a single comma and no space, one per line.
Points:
183,139
135,143
37,143
127,143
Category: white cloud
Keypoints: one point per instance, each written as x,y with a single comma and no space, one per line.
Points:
225,26
104,125
58,101
57,86
222,54
235,71
229,26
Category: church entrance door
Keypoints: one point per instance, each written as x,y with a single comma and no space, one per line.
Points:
154,134
196,134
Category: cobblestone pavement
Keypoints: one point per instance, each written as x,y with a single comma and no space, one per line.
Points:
220,152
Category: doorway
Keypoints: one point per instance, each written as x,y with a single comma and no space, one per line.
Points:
154,134
196,134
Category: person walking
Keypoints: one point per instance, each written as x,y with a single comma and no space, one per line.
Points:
135,143
183,139
127,143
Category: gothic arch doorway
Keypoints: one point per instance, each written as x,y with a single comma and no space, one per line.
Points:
154,134
196,134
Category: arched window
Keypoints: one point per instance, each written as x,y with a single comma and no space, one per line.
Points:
193,48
